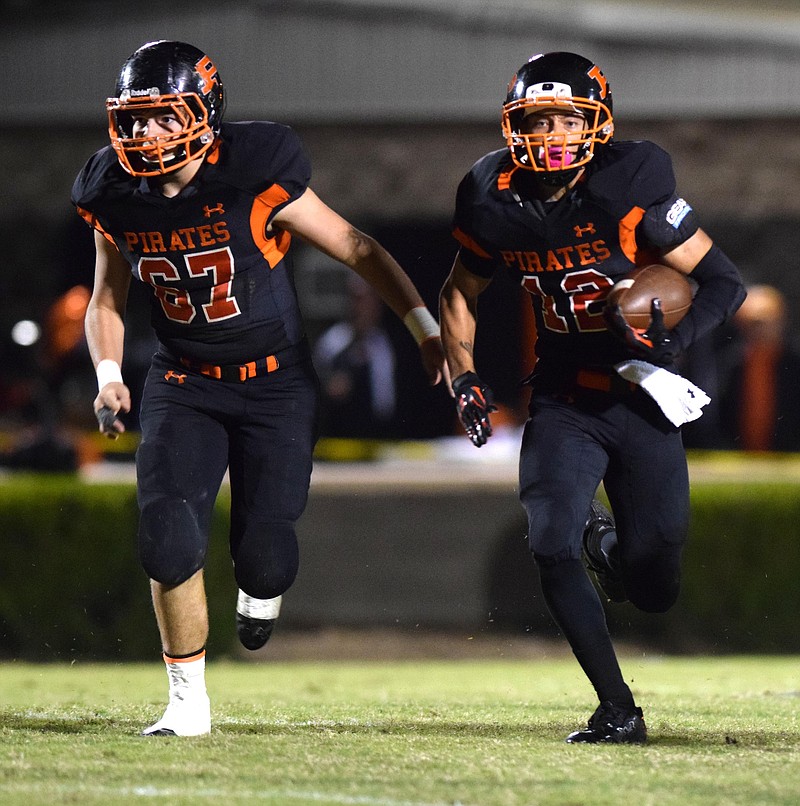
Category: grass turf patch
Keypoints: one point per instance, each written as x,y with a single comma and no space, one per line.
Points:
722,730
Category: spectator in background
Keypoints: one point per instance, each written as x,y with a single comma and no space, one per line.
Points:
355,361
759,395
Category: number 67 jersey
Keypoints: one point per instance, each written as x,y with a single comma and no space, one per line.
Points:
222,290
568,254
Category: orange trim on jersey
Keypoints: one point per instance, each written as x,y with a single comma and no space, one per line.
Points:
467,242
92,221
504,180
213,155
276,247
197,656
627,232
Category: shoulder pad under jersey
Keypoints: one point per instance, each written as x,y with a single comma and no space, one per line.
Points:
257,154
101,172
636,172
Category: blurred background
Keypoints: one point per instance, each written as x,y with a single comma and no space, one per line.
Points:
395,99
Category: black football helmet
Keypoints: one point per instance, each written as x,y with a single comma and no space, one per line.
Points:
557,81
170,77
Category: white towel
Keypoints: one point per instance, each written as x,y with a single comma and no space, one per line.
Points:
679,399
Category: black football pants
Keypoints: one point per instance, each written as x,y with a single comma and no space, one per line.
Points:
194,428
569,446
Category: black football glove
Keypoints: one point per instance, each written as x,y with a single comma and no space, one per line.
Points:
474,403
655,344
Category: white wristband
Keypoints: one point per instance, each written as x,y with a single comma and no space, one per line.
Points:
108,371
421,324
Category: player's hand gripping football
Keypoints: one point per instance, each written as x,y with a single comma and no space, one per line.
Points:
655,344
474,404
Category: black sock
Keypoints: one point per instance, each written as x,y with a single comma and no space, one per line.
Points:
576,609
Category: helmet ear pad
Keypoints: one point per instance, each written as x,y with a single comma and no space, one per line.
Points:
165,77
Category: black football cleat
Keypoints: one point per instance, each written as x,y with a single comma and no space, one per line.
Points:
612,724
255,619
599,523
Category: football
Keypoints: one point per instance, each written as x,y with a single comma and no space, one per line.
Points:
635,293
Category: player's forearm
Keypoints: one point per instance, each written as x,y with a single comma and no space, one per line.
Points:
105,334
458,321
372,262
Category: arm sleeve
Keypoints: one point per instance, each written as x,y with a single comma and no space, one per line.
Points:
720,291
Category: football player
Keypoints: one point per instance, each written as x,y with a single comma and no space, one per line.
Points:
567,211
203,212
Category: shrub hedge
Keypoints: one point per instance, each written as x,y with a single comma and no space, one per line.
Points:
71,585
70,581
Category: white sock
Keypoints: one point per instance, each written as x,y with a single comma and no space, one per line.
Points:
189,710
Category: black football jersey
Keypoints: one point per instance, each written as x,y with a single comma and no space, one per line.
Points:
222,287
567,255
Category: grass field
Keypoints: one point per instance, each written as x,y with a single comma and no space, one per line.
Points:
475,732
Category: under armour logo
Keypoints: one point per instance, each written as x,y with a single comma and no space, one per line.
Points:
587,230
177,375
207,211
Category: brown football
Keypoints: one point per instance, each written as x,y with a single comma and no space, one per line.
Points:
636,292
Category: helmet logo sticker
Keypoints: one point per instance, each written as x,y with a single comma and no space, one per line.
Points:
153,93
208,72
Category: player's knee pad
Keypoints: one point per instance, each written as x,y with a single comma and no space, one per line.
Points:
266,559
171,546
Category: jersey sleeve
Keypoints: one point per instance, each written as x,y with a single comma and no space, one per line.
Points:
474,254
100,169
669,220
669,223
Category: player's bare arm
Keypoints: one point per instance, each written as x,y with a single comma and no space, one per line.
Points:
458,305
687,255
310,219
105,332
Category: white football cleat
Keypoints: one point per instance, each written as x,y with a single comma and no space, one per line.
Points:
255,619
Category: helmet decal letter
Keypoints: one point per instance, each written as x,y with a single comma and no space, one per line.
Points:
598,76
208,72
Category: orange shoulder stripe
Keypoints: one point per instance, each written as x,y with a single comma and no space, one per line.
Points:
627,232
274,248
469,243
92,221
504,180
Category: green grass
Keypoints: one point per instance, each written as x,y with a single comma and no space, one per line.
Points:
723,731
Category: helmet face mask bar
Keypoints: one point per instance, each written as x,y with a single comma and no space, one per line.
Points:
155,154
560,84
165,79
